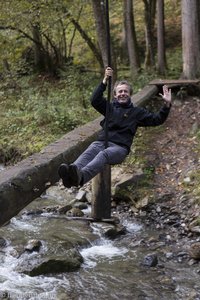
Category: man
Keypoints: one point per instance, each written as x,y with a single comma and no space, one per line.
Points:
124,119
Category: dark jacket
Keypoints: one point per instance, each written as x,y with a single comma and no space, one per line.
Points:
124,119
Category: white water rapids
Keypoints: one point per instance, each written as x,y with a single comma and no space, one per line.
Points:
15,285
111,269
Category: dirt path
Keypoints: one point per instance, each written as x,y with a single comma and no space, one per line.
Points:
176,146
176,160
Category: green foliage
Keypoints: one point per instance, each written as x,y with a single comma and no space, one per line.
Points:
39,111
36,109
58,35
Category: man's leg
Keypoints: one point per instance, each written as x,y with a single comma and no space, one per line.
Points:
114,154
71,175
89,154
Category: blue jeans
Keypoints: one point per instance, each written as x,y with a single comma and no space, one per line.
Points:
96,156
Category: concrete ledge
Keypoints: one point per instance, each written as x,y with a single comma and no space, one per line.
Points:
145,94
22,183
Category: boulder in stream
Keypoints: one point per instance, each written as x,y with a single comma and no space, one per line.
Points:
55,264
33,245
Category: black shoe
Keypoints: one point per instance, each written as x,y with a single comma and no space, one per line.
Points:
63,172
75,175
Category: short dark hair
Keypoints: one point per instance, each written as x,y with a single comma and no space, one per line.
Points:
120,83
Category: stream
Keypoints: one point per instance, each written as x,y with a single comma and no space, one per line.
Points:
112,268
2,167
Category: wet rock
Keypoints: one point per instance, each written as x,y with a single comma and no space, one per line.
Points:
34,212
142,213
118,230
181,256
4,295
3,242
64,209
150,260
110,230
52,265
51,209
80,205
75,212
194,251
81,196
33,245
169,255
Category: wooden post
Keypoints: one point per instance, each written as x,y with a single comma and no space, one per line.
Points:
101,195
101,184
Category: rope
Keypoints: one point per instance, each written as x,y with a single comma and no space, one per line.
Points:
109,64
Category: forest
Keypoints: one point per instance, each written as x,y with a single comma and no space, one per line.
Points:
53,54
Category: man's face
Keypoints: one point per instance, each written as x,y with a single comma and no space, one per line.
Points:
122,93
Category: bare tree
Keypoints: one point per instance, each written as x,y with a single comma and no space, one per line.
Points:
161,37
100,20
191,38
48,35
149,15
131,39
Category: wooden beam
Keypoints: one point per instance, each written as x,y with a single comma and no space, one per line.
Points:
174,81
87,219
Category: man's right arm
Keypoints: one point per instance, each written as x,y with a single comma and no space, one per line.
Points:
97,99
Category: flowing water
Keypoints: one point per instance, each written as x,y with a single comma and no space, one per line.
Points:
112,269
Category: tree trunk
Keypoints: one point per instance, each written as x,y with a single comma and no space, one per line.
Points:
100,20
39,58
88,41
191,39
131,38
149,15
161,37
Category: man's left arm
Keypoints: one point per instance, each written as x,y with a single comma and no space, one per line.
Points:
146,118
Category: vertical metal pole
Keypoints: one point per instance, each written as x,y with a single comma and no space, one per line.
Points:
101,184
